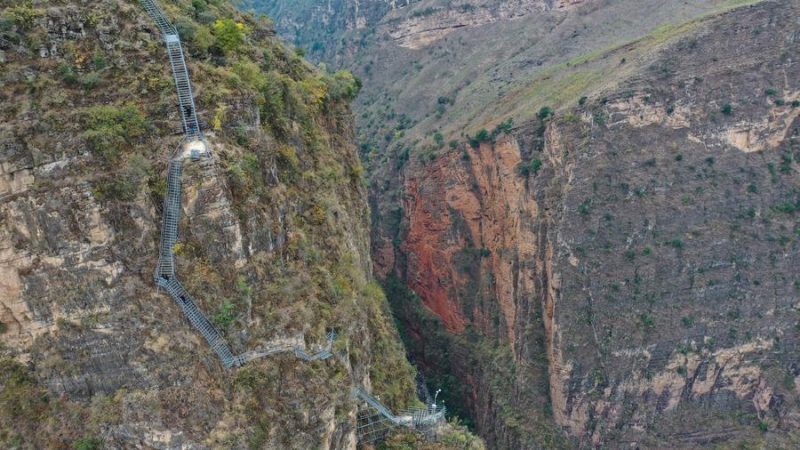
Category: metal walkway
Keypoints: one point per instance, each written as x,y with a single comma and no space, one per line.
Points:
370,429
165,275
376,420
180,72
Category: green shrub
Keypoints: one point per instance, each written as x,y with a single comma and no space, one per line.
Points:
90,80
600,118
438,138
20,398
482,136
109,129
125,184
795,103
197,37
545,112
583,100
503,127
770,92
727,109
586,207
780,102
524,169
453,144
67,74
273,111
249,73
786,162
24,15
88,443
474,143
225,315
648,321
230,35
99,62
786,207
116,188
424,12
343,85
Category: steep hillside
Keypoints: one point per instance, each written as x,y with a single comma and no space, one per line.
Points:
623,272
319,27
585,212
453,67
274,243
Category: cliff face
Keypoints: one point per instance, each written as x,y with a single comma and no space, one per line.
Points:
620,274
623,271
432,21
319,27
677,232
274,243
465,281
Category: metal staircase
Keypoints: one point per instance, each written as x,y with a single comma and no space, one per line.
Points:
180,72
166,276
325,353
376,420
199,321
169,224
158,17
361,393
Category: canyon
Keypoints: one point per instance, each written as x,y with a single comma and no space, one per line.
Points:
577,218
586,220
273,238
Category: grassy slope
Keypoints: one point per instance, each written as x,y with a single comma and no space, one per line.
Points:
511,69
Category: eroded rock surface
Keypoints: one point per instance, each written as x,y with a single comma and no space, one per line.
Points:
642,244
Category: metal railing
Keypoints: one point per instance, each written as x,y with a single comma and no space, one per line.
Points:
180,73
373,427
166,273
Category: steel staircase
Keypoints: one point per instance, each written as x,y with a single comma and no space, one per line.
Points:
166,276
199,321
180,72
158,17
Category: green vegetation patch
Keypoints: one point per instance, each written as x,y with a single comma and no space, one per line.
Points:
109,130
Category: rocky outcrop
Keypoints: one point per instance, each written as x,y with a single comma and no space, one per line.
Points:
425,24
457,233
